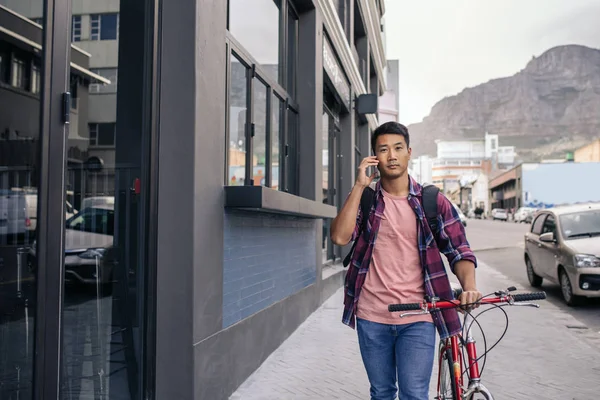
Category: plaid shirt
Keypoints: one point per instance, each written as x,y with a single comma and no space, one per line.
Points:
452,242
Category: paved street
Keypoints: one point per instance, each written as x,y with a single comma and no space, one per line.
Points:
544,355
508,259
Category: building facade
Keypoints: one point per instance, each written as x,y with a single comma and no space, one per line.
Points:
588,153
421,168
469,158
168,174
389,103
535,185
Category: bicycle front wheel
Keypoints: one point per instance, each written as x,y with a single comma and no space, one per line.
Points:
446,375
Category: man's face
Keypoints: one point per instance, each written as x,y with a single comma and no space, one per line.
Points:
393,155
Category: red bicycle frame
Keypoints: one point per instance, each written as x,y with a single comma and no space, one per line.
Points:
454,343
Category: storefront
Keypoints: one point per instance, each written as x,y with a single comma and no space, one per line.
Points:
162,190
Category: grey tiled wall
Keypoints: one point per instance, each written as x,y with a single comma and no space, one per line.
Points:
267,258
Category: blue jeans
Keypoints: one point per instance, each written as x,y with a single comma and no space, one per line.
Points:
397,358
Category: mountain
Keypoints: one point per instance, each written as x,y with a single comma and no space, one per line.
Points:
550,107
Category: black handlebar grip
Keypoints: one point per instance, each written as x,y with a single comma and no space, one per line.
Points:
529,296
404,307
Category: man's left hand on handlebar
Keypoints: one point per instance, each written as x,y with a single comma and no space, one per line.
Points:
470,297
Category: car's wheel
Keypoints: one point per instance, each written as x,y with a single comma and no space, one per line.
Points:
534,279
567,289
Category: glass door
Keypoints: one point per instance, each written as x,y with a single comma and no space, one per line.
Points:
34,115
334,160
104,310
21,69
330,139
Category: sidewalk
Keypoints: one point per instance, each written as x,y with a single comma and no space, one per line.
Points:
544,355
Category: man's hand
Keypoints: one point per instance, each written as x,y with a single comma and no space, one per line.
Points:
362,179
468,298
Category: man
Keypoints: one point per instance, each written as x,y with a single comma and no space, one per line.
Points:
397,260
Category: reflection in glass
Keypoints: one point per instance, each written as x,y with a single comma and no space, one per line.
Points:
276,154
104,303
325,158
255,24
259,144
20,75
237,122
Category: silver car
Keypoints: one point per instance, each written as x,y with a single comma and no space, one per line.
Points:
563,246
88,246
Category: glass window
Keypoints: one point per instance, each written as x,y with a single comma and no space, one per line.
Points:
93,220
36,79
325,158
103,26
276,153
537,225
549,225
19,75
291,154
259,143
255,24
108,27
4,70
237,122
95,27
581,224
20,178
102,134
76,28
104,305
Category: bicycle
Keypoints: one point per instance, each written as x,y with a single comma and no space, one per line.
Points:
452,363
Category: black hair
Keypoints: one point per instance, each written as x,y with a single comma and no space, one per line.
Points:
387,128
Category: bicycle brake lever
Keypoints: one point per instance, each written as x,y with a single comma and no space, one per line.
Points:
526,305
414,313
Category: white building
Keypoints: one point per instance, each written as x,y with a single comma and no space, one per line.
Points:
389,102
421,168
469,157
479,193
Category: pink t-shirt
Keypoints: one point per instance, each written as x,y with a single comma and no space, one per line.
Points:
395,274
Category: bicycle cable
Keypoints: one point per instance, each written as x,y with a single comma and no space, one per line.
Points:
474,318
486,350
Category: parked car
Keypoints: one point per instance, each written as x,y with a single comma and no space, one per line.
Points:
88,246
499,214
563,247
524,214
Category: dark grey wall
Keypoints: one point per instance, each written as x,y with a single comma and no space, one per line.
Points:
176,195
267,258
230,357
209,149
310,100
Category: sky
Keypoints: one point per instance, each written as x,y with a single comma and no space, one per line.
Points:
444,46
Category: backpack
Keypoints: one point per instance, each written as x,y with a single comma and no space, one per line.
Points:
430,193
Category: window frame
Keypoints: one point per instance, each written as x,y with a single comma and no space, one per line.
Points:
97,37
274,88
549,219
95,144
76,31
542,218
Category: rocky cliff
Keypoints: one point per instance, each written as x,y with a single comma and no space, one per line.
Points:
550,107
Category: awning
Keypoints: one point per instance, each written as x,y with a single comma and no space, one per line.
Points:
95,78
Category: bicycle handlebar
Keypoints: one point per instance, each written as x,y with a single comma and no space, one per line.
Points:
455,303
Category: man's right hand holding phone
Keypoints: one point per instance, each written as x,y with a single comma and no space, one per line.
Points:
363,180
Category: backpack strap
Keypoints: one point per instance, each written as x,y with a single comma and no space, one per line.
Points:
366,202
430,193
